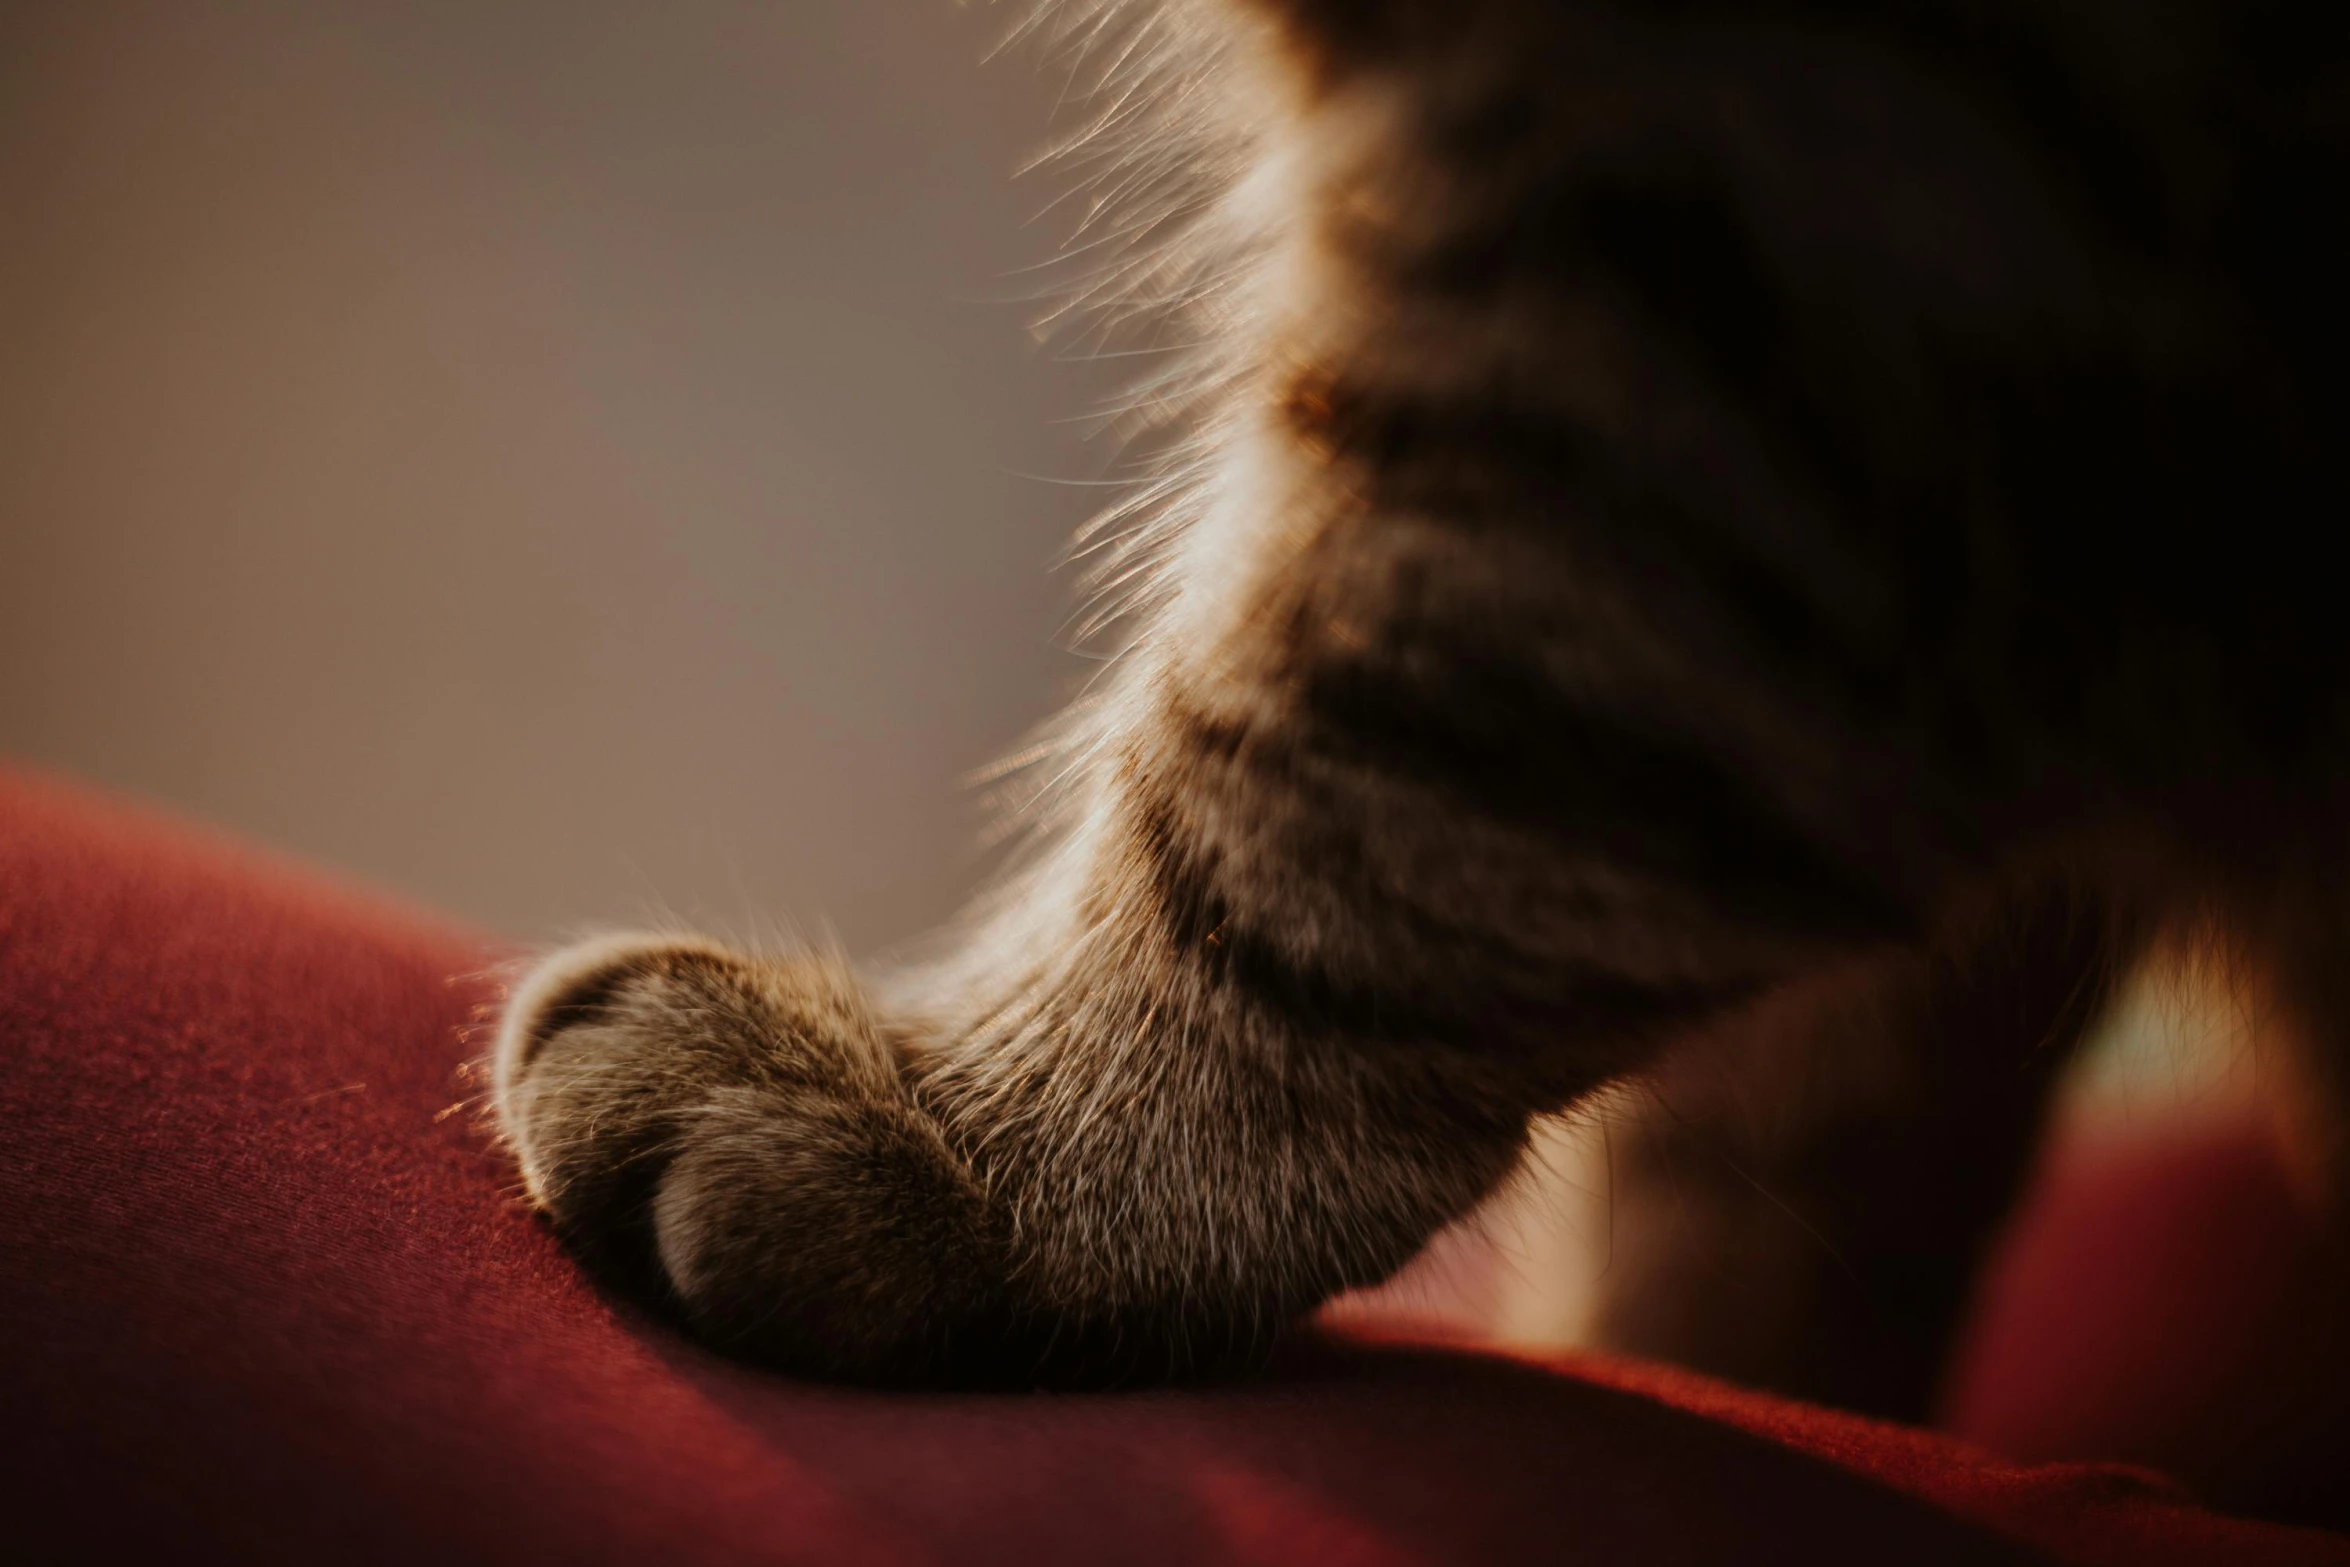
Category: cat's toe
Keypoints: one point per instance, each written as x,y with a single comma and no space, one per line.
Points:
738,1135
837,1236
579,1074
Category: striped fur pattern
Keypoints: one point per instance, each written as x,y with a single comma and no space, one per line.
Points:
1667,507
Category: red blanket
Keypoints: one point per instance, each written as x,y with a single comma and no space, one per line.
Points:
267,1295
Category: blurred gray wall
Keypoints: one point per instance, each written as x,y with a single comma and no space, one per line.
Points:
558,458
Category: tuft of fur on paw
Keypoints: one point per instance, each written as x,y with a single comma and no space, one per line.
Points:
739,1135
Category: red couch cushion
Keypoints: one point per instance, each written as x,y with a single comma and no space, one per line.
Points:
268,1295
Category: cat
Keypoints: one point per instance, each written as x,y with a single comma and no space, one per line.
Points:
1772,545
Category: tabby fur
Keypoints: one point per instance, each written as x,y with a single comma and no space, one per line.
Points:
1772,543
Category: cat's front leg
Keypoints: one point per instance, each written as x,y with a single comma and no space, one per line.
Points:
1110,1163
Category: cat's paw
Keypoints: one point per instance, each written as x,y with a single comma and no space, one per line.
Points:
738,1133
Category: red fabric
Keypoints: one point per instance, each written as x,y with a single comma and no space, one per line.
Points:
2186,1247
267,1296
